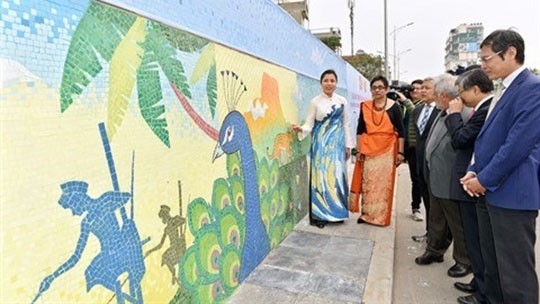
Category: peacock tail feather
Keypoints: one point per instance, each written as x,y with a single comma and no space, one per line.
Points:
208,253
238,196
210,293
189,274
274,173
199,215
276,232
234,165
231,227
285,204
265,211
288,228
221,195
263,176
230,268
274,202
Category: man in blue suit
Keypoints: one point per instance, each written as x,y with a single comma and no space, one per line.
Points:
504,171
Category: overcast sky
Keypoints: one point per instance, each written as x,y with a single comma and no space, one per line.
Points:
433,20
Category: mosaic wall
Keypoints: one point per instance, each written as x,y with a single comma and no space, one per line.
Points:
141,162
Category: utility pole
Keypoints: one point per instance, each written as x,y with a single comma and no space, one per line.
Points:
387,75
351,15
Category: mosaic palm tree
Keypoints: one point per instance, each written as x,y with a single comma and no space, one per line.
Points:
137,50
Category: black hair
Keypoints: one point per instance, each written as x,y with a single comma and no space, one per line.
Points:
501,40
472,67
476,77
417,81
379,78
328,72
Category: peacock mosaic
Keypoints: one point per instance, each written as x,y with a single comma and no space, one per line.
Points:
140,163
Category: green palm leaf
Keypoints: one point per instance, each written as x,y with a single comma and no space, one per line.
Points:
204,63
165,55
181,40
149,92
122,74
99,32
211,90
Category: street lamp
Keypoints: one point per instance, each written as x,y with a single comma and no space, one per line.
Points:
394,32
398,74
396,58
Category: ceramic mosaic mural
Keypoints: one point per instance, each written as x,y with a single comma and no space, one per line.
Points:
143,160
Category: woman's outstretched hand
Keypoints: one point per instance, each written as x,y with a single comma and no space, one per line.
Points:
296,128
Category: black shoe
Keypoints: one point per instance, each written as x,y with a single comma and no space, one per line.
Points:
428,258
360,221
317,223
468,300
465,287
420,238
459,270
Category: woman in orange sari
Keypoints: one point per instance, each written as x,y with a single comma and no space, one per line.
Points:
380,150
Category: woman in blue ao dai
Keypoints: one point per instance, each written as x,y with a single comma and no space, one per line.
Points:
331,141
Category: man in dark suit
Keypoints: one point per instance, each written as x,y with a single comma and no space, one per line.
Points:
410,148
444,215
424,115
505,167
475,92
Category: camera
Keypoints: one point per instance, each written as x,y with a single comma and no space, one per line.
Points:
399,86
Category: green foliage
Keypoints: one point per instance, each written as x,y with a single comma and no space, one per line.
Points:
334,42
181,40
149,92
165,55
97,37
367,64
99,32
211,90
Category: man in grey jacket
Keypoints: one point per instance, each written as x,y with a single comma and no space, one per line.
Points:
444,215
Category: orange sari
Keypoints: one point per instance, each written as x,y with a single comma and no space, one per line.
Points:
375,172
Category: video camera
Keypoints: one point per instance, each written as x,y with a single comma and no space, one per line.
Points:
399,86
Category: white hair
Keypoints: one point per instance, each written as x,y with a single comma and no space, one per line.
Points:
446,84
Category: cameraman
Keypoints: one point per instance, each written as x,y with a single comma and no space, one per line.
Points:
408,106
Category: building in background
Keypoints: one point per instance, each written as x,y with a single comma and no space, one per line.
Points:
331,36
463,45
298,9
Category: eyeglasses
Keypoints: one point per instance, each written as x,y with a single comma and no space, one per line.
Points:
488,58
378,88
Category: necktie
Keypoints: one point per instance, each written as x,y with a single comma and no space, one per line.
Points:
499,89
424,119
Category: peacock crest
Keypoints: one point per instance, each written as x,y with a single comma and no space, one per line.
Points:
233,88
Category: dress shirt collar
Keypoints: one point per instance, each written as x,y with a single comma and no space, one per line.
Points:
510,78
482,102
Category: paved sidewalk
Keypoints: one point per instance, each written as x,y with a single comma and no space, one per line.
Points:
342,263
